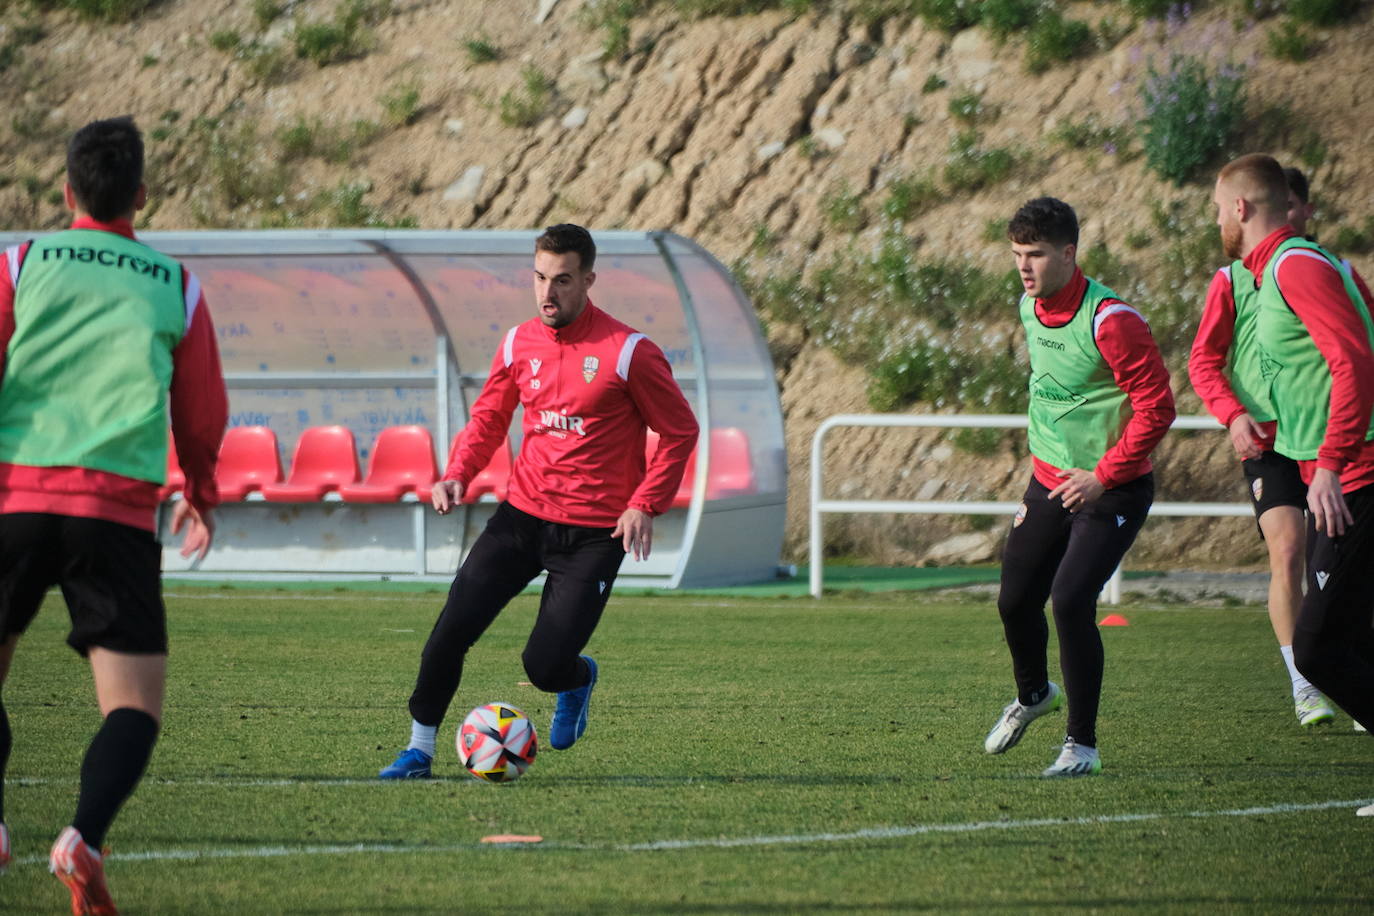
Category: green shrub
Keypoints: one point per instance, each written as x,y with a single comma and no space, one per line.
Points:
1091,133
934,83
844,209
971,166
968,108
1054,39
527,106
907,196
1354,239
265,63
995,230
225,40
345,37
1099,263
1005,18
1190,113
950,15
109,10
1323,12
481,50
1290,41
401,104
299,140
266,12
1150,9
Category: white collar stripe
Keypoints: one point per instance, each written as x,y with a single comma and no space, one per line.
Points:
508,350
1304,252
627,351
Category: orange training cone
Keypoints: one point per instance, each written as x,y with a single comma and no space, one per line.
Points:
1113,620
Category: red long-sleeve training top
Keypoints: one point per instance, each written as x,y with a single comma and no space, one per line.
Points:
199,411
589,391
1124,340
1315,291
1207,366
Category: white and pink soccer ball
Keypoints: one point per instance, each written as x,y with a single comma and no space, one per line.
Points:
497,743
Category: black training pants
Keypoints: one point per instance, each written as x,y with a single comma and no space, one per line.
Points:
1333,644
1066,557
514,548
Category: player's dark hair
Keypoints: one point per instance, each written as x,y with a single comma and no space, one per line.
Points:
1297,182
1045,219
105,167
566,237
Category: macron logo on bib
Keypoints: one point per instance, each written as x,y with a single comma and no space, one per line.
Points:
1321,578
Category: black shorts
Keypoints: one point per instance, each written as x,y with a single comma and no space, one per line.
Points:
1274,480
110,575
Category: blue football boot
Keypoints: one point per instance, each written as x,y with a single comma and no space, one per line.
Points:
570,715
411,763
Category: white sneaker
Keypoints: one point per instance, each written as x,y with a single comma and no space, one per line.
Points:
1015,717
1366,811
1312,708
1075,760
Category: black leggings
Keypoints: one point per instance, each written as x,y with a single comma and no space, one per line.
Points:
514,548
1333,643
1065,557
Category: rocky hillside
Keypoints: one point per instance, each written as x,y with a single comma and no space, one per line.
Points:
833,152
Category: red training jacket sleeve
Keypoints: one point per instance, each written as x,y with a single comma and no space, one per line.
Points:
1126,344
7,302
1313,288
660,402
199,407
488,425
1211,347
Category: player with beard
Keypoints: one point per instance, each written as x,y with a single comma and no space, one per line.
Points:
1225,370
1099,403
1317,348
580,497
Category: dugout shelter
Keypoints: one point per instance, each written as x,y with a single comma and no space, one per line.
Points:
353,356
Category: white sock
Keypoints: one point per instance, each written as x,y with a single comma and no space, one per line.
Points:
422,737
1300,683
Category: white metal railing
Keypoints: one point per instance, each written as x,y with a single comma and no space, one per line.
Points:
821,505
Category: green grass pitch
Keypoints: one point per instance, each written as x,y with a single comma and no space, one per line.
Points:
743,756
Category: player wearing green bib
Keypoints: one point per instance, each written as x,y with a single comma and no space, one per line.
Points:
1317,343
1225,368
102,341
1099,403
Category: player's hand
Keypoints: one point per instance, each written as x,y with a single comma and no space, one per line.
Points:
636,530
445,495
1079,490
1329,511
1245,436
200,529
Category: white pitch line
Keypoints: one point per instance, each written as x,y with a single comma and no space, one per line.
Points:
801,839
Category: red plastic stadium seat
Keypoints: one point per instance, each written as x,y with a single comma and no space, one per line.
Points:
683,497
402,462
248,460
732,468
325,460
494,479
176,478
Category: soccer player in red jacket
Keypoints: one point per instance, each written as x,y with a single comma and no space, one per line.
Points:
1225,370
1318,348
580,495
101,339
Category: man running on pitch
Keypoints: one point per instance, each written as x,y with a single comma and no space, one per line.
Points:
1099,403
580,495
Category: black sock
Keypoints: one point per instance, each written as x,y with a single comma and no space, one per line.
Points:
5,743
114,764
